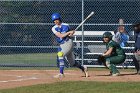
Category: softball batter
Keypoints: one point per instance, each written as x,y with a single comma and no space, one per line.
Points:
63,37
114,54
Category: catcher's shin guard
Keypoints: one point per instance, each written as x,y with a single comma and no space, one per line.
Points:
112,68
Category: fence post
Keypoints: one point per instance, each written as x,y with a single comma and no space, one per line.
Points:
82,33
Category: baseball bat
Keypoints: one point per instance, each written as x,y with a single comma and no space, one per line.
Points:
84,20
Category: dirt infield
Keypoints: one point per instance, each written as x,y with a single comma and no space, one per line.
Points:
18,78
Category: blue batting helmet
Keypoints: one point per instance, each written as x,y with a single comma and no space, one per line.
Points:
56,16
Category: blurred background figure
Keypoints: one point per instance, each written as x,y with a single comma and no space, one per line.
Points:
121,36
136,59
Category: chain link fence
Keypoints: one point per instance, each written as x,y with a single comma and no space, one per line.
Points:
26,38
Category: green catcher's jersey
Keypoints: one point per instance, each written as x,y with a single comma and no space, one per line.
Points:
117,50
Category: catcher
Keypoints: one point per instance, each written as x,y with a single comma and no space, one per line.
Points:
113,56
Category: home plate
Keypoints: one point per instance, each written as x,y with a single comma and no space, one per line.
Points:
69,74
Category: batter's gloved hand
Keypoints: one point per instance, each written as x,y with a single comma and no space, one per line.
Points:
101,60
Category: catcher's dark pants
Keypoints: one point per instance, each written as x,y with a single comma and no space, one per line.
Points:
112,61
117,59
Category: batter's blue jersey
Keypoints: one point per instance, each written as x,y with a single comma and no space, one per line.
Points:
64,28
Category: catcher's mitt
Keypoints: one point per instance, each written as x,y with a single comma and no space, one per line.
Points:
101,60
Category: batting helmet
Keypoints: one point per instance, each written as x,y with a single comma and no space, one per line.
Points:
107,35
56,16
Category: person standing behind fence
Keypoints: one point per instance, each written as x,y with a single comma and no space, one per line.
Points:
113,55
63,37
136,59
121,36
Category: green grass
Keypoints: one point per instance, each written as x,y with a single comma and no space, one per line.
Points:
30,58
79,87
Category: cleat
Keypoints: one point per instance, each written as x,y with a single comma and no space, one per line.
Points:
116,74
85,71
110,74
59,76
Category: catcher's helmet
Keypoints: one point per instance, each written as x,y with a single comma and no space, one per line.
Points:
107,35
56,16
